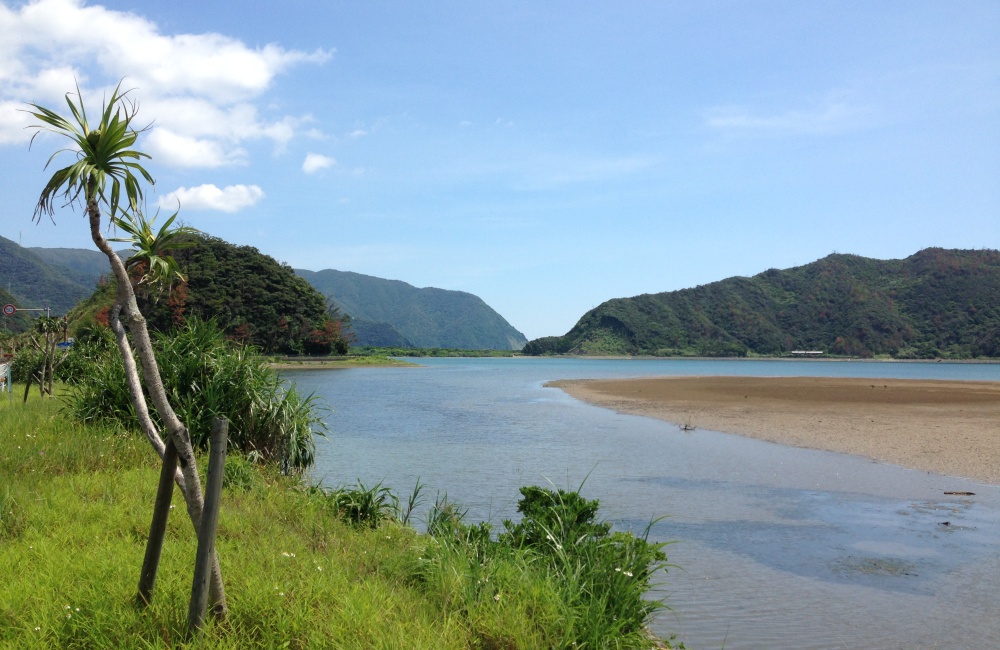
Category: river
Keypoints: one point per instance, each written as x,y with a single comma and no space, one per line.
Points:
777,547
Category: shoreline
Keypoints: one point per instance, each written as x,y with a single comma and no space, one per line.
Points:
831,359
941,426
327,364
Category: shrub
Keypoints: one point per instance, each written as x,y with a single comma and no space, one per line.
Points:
601,577
205,376
364,506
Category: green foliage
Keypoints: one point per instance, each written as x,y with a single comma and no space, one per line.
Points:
151,262
554,517
27,362
253,298
396,314
103,153
605,575
74,511
205,376
362,505
601,578
936,303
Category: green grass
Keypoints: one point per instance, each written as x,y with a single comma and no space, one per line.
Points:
75,505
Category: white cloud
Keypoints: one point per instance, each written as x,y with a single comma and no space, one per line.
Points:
200,88
14,123
232,198
357,133
315,162
183,151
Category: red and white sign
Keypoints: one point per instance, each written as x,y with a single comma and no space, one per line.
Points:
9,310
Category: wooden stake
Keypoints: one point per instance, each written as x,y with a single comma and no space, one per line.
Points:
158,527
209,524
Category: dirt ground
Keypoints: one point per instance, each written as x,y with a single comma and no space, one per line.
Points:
946,427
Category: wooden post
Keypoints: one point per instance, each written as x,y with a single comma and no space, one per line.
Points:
158,527
209,524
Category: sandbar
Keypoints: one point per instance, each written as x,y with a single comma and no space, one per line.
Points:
945,427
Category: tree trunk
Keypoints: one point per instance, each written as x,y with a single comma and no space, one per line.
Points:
133,319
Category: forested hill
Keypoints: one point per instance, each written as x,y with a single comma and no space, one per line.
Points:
425,318
936,303
252,296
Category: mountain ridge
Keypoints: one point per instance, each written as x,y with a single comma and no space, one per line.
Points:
430,317
935,303
426,317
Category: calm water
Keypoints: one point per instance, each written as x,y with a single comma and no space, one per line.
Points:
779,547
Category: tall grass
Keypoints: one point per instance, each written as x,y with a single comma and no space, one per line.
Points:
302,571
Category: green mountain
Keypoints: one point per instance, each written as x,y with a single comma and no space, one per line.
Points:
426,318
379,335
34,283
936,303
81,265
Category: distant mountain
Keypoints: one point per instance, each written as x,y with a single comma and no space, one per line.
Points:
935,303
34,283
426,318
380,335
81,265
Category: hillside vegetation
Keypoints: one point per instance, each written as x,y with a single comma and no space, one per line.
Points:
935,303
34,283
82,265
12,324
254,298
391,313
251,296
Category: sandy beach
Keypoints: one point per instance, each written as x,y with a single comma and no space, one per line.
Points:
946,427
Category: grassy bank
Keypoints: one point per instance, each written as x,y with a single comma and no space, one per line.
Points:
75,504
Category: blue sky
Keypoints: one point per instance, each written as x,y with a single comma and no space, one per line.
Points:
546,156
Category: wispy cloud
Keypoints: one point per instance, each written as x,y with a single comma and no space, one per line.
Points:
231,198
556,171
828,118
315,162
201,88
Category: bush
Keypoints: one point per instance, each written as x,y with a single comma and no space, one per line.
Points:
601,577
205,376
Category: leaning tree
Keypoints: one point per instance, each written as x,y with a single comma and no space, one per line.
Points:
106,176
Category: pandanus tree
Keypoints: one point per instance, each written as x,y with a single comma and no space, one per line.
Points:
106,176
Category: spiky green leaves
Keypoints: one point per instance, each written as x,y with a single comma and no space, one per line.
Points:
151,247
103,154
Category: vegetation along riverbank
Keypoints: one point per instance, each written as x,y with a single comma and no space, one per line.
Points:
304,567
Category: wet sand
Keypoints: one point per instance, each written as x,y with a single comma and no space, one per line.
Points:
946,427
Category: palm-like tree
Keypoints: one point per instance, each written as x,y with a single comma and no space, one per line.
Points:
105,158
151,259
